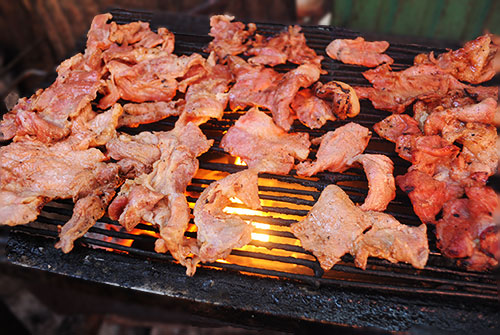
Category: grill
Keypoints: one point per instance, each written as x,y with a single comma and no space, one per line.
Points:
289,280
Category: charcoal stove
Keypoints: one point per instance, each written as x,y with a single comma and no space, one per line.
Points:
272,282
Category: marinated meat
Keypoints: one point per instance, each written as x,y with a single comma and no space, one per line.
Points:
135,154
396,125
391,240
426,153
258,86
92,129
289,46
344,100
479,157
472,63
138,83
251,83
311,110
427,195
264,146
468,231
148,112
331,227
382,188
359,52
230,38
46,115
219,232
439,120
158,197
33,173
394,91
336,150
335,226
207,98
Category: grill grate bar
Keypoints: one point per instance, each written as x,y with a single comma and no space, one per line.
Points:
310,264
304,278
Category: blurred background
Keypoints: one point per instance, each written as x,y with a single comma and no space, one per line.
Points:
35,35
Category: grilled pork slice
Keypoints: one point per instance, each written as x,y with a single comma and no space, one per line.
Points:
260,86
391,240
158,197
230,38
331,227
337,148
311,110
359,52
264,146
382,187
443,121
335,227
396,125
135,154
473,63
479,157
207,98
136,82
394,91
289,45
219,232
33,173
48,114
149,112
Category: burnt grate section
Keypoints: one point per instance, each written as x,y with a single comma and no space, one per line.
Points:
275,252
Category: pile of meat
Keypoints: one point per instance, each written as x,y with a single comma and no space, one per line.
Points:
69,141
450,140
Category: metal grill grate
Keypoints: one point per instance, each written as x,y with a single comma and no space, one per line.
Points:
287,199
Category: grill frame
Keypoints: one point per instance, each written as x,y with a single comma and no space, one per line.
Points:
447,281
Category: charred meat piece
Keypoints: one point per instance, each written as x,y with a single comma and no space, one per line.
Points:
344,100
218,231
359,52
288,46
158,197
33,173
230,38
331,227
264,146
473,63
382,188
336,150
391,240
311,110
